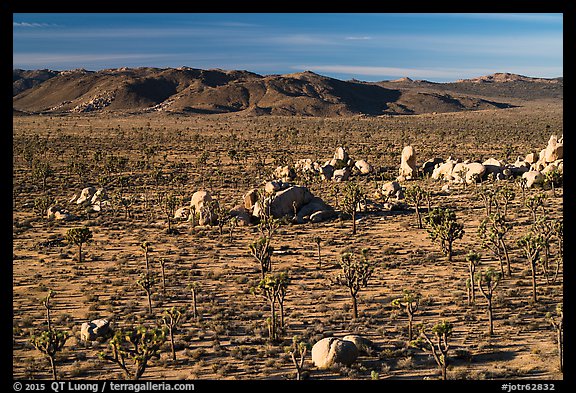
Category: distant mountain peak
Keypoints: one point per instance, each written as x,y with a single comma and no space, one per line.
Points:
503,77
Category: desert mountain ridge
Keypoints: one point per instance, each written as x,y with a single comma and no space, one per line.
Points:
198,91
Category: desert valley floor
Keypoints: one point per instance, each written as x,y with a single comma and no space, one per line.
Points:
136,157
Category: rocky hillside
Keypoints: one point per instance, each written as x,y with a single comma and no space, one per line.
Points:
189,90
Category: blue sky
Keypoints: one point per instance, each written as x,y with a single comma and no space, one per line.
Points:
370,47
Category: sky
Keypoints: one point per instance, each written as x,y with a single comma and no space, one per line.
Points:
368,47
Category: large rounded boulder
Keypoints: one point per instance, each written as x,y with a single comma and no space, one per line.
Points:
332,350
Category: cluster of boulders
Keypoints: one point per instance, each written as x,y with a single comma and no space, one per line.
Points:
282,199
330,351
338,168
533,167
94,199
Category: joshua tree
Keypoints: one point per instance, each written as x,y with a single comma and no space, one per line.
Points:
137,345
353,195
297,352
416,196
409,302
533,203
162,262
492,231
273,288
356,271
554,179
488,196
221,215
439,348
504,196
194,288
169,204
79,236
48,307
532,244
557,321
146,282
42,204
444,229
261,250
521,183
50,342
544,229
318,240
41,171
487,283
147,247
171,320
473,259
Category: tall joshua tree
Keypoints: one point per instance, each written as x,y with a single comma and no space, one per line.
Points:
356,271
473,259
487,283
261,250
79,236
557,321
171,320
440,346
416,195
492,231
133,348
444,228
532,244
50,342
410,301
353,196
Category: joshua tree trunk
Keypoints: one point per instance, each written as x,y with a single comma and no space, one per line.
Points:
354,221
194,309
80,253
533,269
560,338
172,345
507,257
419,217
319,259
354,305
472,290
491,326
53,367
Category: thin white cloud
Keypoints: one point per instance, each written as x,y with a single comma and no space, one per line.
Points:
355,38
31,24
